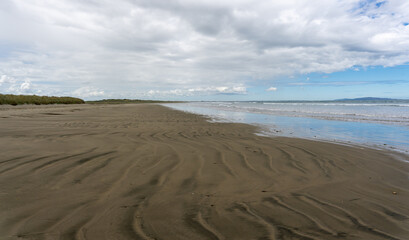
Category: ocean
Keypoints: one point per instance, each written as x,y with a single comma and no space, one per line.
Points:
379,124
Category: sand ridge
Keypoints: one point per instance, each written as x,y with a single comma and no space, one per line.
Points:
148,172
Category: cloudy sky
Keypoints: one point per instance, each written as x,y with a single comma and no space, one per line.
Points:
205,49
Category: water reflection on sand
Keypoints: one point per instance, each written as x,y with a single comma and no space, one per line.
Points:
395,137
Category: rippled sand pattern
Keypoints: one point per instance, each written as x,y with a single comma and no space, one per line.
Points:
148,172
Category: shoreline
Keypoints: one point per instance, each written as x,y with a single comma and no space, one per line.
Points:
150,172
310,128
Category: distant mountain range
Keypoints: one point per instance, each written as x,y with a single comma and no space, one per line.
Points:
367,99
347,100
372,100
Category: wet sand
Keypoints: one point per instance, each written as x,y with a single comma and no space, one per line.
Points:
149,172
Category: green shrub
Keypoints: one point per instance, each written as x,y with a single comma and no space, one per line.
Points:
37,100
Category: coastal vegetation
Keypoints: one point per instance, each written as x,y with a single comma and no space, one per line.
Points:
12,99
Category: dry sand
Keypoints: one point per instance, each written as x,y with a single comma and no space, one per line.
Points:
148,172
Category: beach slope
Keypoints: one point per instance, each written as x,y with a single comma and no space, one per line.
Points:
148,172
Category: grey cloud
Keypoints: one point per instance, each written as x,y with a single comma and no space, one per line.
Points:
116,47
205,17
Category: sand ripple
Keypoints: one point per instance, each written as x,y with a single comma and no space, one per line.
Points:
148,172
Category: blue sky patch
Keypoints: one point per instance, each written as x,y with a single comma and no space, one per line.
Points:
379,4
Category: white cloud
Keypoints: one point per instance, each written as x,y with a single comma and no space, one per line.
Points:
271,89
127,45
10,85
212,90
88,92
25,86
4,79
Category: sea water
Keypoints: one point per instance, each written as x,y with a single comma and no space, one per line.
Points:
376,124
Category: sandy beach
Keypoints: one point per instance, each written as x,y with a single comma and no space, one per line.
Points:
144,171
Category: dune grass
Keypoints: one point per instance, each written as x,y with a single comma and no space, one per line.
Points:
11,99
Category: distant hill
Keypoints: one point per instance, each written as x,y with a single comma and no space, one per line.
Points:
367,99
371,100
345,100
